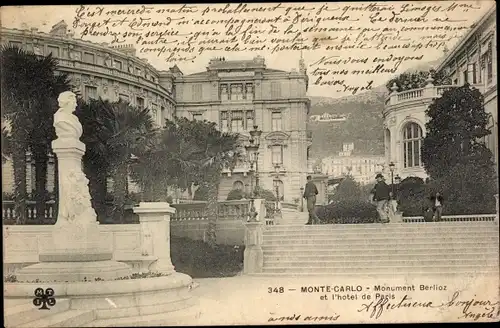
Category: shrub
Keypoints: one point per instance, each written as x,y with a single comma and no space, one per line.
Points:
347,212
265,194
236,194
348,190
201,193
199,260
412,196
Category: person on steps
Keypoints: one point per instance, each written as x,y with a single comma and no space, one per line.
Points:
381,194
310,192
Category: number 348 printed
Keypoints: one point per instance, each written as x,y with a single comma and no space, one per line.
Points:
275,290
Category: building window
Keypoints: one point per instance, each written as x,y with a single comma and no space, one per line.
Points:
140,102
124,97
90,92
249,91
138,71
278,184
238,185
236,92
489,63
276,121
224,121
54,51
277,154
465,76
412,139
197,116
474,74
237,121
249,120
162,114
88,57
223,92
196,91
17,44
118,65
275,90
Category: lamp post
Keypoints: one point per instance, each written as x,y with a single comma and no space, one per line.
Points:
391,167
252,153
397,181
302,199
277,186
255,136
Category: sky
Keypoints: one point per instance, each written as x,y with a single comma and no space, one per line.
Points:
44,17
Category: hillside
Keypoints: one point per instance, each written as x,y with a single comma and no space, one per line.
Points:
364,126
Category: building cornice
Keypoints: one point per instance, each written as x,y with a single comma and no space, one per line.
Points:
100,47
463,41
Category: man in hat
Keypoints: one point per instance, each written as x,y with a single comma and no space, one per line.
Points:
381,194
310,192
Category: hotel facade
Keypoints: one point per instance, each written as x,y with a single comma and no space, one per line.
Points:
474,61
234,94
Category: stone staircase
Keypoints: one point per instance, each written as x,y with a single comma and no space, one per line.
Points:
22,313
395,248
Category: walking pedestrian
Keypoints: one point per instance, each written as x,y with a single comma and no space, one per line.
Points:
381,195
437,206
310,192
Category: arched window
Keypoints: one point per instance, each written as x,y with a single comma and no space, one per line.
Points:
238,185
281,188
387,144
412,139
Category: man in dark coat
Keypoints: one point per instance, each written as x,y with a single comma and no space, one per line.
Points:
437,205
310,193
381,195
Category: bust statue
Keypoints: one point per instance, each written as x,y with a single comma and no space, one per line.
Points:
66,124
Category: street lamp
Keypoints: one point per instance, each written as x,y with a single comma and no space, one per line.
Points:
255,135
302,199
397,181
391,167
277,182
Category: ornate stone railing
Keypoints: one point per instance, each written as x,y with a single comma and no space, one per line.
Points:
8,215
455,218
428,92
228,210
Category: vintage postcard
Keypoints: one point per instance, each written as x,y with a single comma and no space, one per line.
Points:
250,163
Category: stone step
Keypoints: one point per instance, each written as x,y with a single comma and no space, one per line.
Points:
184,316
427,226
377,275
70,318
276,257
355,263
18,312
380,251
377,234
375,240
362,270
311,229
379,246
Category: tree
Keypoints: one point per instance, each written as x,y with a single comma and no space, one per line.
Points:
348,190
453,152
113,132
30,89
415,80
191,151
455,132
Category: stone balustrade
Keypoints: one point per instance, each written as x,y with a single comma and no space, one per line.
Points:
456,218
428,92
8,215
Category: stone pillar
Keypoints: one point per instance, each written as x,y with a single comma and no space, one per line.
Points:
498,211
154,219
253,255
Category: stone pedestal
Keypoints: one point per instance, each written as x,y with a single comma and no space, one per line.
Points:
155,234
75,252
253,255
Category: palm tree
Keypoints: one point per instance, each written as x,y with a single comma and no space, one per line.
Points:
187,152
29,100
113,132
